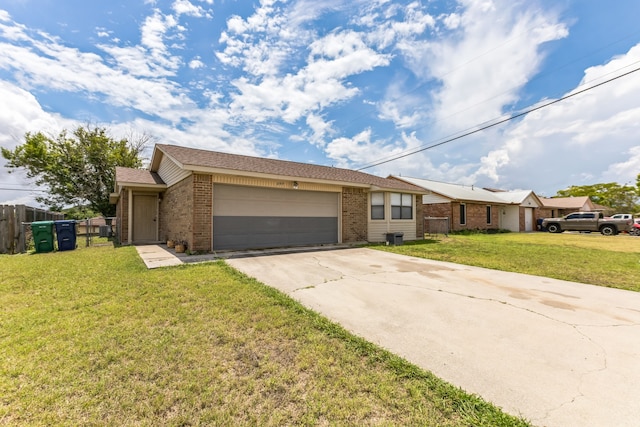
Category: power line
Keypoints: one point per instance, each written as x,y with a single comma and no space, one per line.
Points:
491,120
22,189
482,128
546,74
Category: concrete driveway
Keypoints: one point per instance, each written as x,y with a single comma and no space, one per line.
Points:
557,353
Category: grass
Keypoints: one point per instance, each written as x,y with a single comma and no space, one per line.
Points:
91,337
612,261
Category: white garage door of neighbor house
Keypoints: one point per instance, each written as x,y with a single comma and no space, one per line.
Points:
254,218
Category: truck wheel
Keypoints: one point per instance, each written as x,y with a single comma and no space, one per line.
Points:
554,228
608,230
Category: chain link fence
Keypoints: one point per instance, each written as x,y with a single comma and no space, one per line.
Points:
434,226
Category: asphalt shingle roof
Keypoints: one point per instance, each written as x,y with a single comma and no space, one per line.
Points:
566,202
192,158
137,176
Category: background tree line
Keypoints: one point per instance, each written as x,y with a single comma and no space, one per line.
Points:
620,198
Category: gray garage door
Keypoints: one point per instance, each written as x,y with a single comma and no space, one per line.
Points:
254,218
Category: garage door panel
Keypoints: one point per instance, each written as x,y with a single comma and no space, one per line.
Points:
255,232
232,201
256,217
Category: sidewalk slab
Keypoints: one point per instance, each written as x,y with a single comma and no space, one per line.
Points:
155,256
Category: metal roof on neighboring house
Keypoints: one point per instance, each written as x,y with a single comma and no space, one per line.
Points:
518,196
218,162
468,193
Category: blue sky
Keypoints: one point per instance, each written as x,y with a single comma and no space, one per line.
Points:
342,83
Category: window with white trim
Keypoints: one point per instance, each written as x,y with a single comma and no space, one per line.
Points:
488,214
401,206
463,214
377,205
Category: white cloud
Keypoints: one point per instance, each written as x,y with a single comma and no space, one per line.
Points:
595,131
25,115
196,63
626,171
314,87
185,7
359,150
452,21
320,129
40,61
482,65
103,32
154,31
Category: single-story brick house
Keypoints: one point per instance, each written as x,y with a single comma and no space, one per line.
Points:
475,208
219,201
520,213
555,207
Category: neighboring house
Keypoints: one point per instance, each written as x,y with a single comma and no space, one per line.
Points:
219,201
476,208
93,225
520,214
560,206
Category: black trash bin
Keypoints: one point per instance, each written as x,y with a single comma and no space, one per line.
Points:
66,233
42,232
395,238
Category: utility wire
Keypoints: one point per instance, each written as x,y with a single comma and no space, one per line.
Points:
482,128
22,189
491,120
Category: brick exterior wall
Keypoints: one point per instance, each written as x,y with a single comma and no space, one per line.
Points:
419,218
202,213
186,212
437,210
521,217
476,215
122,214
176,207
354,215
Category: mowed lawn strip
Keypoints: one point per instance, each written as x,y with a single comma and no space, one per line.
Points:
612,261
91,337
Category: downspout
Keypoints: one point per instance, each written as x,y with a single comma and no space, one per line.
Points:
212,191
130,217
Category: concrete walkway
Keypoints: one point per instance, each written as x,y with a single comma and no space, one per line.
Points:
155,256
558,353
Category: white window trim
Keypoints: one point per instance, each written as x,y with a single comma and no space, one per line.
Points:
465,214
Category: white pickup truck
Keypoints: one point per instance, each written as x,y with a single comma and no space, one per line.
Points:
587,221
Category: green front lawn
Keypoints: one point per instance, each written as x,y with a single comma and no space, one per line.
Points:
91,337
592,258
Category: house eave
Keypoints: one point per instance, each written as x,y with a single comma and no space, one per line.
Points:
222,171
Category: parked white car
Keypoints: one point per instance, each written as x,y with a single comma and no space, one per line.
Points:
622,216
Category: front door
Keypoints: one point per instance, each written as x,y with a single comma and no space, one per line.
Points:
528,219
145,218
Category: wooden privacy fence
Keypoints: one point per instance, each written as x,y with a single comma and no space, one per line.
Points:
15,228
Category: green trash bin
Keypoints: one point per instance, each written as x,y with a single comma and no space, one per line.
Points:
42,236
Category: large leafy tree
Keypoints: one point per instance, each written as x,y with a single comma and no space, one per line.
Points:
77,168
621,198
